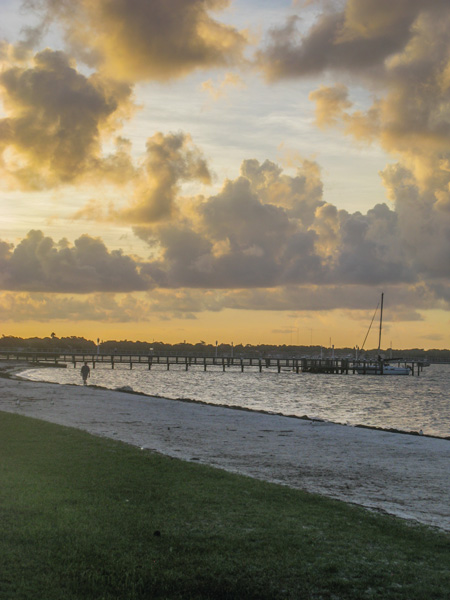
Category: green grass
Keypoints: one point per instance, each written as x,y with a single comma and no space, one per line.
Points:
78,518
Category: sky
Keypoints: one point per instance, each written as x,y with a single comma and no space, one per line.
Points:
237,171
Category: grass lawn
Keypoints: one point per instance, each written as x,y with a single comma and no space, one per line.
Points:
89,518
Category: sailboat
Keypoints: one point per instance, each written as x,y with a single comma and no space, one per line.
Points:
380,367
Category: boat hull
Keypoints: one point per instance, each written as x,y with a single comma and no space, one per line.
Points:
386,370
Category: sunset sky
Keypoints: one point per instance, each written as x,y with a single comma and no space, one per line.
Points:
247,171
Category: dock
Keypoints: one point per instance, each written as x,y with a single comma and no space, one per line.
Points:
336,366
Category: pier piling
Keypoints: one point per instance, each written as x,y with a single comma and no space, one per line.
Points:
335,366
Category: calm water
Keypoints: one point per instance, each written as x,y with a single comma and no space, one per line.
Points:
405,403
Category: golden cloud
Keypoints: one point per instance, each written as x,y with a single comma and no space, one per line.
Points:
170,159
326,225
217,91
141,40
331,103
399,51
109,308
56,120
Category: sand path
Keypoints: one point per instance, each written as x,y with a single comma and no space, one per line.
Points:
404,475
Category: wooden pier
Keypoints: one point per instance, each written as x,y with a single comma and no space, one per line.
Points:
338,366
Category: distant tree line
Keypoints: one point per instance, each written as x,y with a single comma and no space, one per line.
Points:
80,344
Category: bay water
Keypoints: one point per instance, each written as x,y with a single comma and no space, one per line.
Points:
405,403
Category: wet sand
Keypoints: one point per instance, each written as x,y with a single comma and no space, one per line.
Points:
400,474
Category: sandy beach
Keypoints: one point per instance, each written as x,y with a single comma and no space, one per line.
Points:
400,474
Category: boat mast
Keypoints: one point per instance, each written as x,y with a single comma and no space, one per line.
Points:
381,321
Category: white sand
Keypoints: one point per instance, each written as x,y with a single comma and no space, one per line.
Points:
404,475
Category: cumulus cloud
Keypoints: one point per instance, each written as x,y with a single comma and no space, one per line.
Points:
300,195
267,239
357,38
423,225
13,53
400,52
369,249
170,159
142,40
241,236
405,44
267,229
56,118
154,185
38,264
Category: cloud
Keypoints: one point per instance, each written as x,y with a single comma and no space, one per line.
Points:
56,120
327,227
356,301
13,53
268,229
409,76
289,55
110,308
137,40
265,229
217,91
357,39
38,264
231,237
154,185
248,235
265,234
300,195
359,301
170,160
399,52
331,103
368,249
423,226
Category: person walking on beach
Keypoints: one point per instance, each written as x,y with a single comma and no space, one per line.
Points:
85,373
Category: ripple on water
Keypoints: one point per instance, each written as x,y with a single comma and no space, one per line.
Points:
404,403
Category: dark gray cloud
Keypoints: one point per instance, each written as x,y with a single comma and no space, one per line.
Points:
164,304
424,221
300,194
38,264
369,249
402,302
399,52
356,37
249,236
